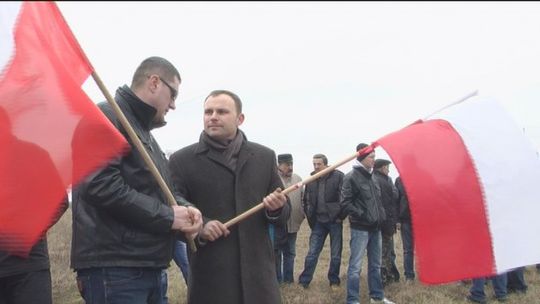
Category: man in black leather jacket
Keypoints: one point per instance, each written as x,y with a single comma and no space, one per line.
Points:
123,226
361,201
321,205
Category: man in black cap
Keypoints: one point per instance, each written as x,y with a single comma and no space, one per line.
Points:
389,195
285,238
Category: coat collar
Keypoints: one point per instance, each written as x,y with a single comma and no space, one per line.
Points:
144,112
363,171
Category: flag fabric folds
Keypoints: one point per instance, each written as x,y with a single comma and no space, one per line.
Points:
51,134
471,176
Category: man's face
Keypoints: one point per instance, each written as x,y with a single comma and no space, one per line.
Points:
385,169
221,120
165,98
369,161
318,164
285,169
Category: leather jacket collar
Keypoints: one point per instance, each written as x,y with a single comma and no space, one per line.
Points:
144,112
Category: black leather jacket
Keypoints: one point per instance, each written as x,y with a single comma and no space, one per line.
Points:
332,191
404,211
361,200
120,215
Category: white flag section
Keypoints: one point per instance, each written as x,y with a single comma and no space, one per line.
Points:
509,173
8,17
472,179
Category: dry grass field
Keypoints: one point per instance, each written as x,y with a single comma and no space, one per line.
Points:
319,292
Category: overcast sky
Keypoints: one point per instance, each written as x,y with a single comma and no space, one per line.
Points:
320,77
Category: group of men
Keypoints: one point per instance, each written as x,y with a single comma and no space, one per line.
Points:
374,206
125,231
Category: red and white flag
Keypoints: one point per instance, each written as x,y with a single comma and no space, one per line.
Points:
472,179
51,133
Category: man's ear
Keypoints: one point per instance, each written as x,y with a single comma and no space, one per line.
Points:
240,119
152,83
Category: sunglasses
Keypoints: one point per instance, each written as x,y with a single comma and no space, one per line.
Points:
174,92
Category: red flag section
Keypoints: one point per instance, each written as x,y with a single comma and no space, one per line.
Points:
445,201
51,134
473,201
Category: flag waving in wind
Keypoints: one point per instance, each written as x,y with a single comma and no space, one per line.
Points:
472,180
51,133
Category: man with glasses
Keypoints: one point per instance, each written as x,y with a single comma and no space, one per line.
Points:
123,227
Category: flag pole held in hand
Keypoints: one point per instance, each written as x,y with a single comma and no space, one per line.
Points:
138,144
296,186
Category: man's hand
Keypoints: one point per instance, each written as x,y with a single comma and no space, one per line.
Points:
187,220
274,200
213,230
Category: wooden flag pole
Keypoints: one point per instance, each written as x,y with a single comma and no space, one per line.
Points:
138,144
308,180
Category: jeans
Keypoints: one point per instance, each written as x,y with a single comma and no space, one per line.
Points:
285,259
122,285
164,287
408,249
360,241
28,287
181,259
499,286
271,233
516,280
316,243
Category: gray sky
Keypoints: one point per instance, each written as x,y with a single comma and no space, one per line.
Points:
320,77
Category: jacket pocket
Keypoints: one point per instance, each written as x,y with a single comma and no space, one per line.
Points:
334,209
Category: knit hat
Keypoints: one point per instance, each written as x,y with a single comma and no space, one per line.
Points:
284,158
360,147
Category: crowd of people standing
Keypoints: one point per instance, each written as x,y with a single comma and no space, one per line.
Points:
125,232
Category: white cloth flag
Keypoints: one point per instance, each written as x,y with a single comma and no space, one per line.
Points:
472,178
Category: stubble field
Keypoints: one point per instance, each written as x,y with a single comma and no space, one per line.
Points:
319,292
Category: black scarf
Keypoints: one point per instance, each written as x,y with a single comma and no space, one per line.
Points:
229,151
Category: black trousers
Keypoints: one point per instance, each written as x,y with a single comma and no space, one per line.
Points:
26,288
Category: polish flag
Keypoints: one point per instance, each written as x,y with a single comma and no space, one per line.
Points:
472,179
51,133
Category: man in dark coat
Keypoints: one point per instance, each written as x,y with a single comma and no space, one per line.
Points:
361,201
322,208
123,226
26,279
389,195
406,231
224,175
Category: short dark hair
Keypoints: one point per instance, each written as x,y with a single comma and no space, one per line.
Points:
237,101
323,157
154,65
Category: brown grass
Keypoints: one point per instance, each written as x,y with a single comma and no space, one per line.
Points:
65,290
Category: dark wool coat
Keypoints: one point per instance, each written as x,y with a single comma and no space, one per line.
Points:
239,268
389,198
